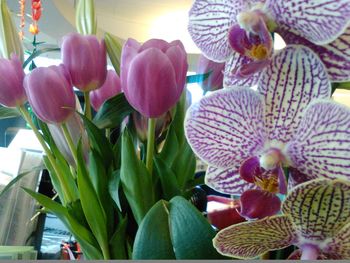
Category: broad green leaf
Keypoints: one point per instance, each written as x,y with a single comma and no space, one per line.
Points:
179,118
7,113
167,178
118,241
113,112
191,233
198,78
113,188
153,239
38,53
54,179
114,50
136,180
76,211
170,148
184,165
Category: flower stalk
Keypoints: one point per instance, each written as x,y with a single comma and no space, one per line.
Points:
87,110
70,142
150,143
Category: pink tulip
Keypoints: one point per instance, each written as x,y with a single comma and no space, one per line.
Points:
153,75
216,77
12,93
86,60
50,93
109,89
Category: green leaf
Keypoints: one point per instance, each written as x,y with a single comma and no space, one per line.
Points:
194,182
179,118
344,85
191,233
17,178
136,180
114,50
38,53
113,188
171,147
118,241
184,165
153,239
167,178
198,78
7,113
113,112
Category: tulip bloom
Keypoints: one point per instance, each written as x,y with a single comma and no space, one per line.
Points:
86,60
50,93
247,137
238,33
315,218
12,92
153,75
110,88
216,77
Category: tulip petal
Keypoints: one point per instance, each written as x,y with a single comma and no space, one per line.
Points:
252,239
339,248
232,66
318,208
321,146
226,127
227,181
209,23
335,55
320,21
293,79
257,204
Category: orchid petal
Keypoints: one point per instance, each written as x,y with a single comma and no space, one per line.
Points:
318,208
296,177
339,247
250,168
252,239
282,181
226,127
209,23
296,255
321,146
227,181
321,21
232,66
335,55
293,79
257,204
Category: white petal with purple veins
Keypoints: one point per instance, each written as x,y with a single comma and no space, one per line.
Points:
294,78
321,147
226,127
319,21
209,23
227,181
335,55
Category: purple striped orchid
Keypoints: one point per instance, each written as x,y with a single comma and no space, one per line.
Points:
238,32
247,137
316,218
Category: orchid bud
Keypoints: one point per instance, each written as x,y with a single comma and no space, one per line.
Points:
86,60
109,89
153,75
77,132
50,93
12,93
141,125
85,18
10,41
216,76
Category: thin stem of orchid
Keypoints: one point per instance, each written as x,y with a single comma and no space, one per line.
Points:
150,144
70,142
68,197
87,105
309,252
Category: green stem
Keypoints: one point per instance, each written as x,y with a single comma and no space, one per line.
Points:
70,143
105,252
49,155
108,134
87,105
150,143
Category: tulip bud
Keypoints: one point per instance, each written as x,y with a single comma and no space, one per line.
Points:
86,60
12,93
216,77
141,125
153,75
77,131
114,50
109,89
85,18
50,93
10,41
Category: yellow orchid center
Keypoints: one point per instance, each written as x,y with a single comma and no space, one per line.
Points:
269,184
258,52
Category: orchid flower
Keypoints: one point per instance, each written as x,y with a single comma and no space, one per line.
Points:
238,32
316,218
247,137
